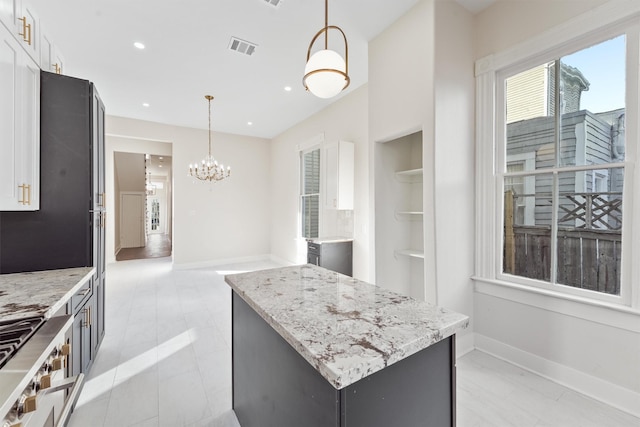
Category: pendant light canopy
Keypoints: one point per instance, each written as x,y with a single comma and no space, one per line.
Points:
326,73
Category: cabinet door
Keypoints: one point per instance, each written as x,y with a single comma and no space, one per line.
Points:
28,29
76,344
19,127
339,176
8,13
50,58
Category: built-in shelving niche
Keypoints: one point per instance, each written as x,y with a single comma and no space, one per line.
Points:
399,219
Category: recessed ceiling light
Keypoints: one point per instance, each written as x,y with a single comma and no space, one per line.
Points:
139,45
161,157
145,104
159,166
250,123
287,88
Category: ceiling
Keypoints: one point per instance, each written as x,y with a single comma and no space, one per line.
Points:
186,55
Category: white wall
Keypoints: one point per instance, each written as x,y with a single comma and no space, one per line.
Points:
591,348
454,154
219,222
509,22
345,120
401,102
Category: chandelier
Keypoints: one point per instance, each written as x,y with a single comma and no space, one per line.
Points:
209,169
326,73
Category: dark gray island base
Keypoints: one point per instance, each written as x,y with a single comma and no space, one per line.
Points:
314,348
273,386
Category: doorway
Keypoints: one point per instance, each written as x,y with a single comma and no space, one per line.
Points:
148,215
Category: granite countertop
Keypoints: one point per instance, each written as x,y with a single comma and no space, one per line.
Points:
39,293
330,239
347,329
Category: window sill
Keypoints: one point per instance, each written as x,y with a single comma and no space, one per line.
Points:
618,316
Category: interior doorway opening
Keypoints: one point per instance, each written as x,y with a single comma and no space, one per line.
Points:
150,173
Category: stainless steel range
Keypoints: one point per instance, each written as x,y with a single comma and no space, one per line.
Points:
35,389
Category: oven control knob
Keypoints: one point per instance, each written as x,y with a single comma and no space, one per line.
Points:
56,364
65,349
45,381
29,404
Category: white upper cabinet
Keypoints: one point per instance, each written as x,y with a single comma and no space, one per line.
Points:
19,127
51,59
339,177
20,19
8,13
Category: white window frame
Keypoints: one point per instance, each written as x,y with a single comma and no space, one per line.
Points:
605,22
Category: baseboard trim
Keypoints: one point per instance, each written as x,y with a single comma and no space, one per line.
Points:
465,343
613,395
221,261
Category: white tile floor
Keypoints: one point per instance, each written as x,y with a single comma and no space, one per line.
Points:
166,361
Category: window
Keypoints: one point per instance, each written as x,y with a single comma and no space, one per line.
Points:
556,158
310,192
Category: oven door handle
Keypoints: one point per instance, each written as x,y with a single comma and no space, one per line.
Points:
75,383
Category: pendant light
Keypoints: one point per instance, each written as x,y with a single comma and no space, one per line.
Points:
326,73
209,169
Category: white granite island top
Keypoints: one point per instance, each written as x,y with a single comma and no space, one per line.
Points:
347,329
39,293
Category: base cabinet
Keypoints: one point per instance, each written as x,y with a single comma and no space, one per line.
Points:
273,385
84,333
335,256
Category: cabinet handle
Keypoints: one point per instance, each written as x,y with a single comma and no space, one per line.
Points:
84,291
26,194
57,69
87,317
26,30
102,200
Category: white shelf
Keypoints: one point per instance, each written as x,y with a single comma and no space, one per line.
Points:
411,175
412,253
409,215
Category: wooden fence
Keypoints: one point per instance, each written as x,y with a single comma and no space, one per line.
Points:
587,258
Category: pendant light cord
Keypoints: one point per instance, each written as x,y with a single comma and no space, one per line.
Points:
326,24
209,98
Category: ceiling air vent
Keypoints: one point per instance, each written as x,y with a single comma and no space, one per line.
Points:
274,3
242,46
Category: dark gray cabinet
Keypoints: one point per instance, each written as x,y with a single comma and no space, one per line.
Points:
273,385
83,306
332,255
69,229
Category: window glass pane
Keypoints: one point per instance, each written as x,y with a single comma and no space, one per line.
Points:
592,104
311,172
589,229
530,117
527,226
310,212
310,197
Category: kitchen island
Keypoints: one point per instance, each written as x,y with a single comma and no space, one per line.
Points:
316,348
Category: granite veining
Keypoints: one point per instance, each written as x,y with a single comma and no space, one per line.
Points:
346,328
39,293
